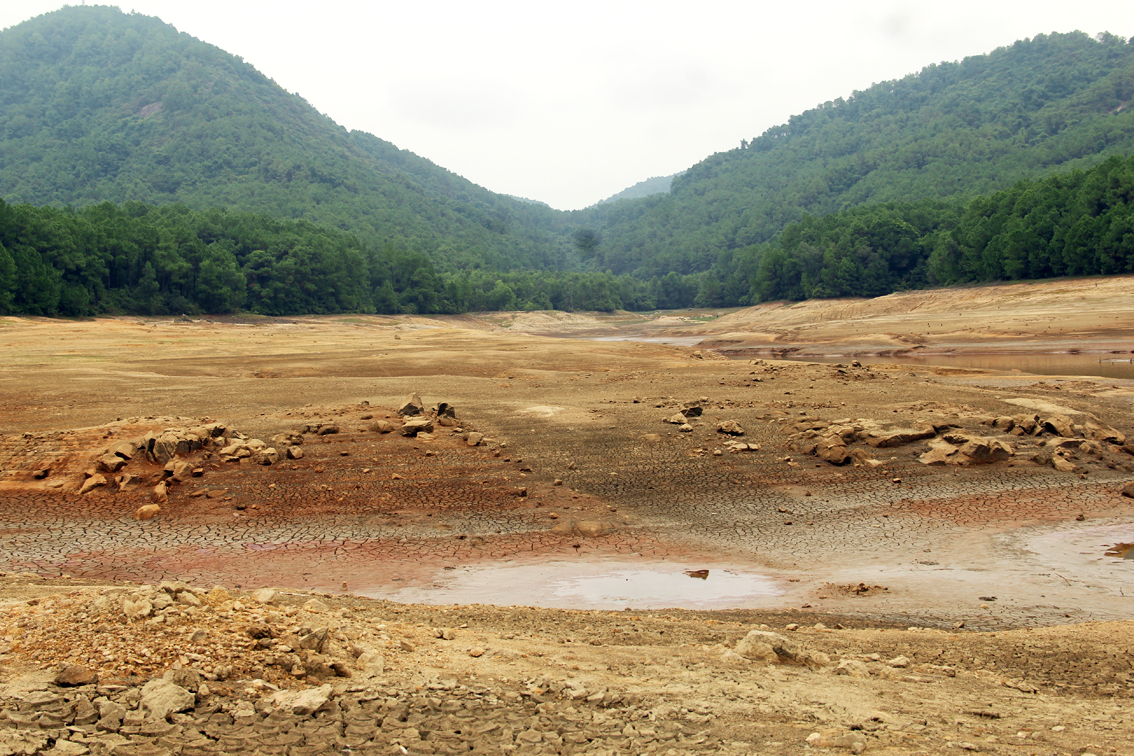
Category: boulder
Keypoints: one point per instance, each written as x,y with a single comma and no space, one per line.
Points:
137,608
111,463
411,406
853,668
266,457
265,595
160,698
295,452
380,426
786,651
474,438
1128,490
444,409
76,674
1060,425
941,452
93,482
327,430
832,449
160,494
129,482
887,439
147,512
1105,433
179,470
303,703
676,419
590,529
692,410
1004,423
415,425
1062,464
730,427
986,450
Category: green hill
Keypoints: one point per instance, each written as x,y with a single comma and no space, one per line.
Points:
97,105
954,130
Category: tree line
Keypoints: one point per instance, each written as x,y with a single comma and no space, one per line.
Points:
144,259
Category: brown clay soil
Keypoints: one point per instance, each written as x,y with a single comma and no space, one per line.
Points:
1022,622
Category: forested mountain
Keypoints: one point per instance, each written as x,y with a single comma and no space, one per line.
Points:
953,130
142,170
655,185
97,105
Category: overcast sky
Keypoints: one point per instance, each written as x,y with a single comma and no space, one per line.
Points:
570,102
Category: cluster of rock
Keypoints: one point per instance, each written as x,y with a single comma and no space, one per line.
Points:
950,444
419,422
694,410
831,440
180,451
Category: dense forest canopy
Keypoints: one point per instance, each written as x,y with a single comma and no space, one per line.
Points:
121,139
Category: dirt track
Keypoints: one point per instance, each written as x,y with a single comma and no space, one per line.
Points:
577,467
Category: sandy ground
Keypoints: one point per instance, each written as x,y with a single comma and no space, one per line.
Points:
580,495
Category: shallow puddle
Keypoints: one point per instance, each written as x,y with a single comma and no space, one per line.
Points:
603,585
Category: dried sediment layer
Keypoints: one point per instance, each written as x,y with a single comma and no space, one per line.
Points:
180,669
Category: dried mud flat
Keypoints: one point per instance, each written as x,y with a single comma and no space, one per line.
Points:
973,507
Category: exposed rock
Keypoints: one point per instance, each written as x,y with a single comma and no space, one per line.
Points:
111,463
685,428
590,529
730,427
147,512
137,609
1062,464
129,482
93,482
303,703
786,651
411,406
1128,490
265,595
1060,425
1105,433
160,698
76,674
266,457
941,452
886,439
832,449
853,668
415,425
985,450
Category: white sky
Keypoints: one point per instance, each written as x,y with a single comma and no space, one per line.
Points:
569,103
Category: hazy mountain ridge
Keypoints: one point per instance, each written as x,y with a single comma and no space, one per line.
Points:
651,186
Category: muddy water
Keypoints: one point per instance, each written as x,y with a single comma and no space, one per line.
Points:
604,585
